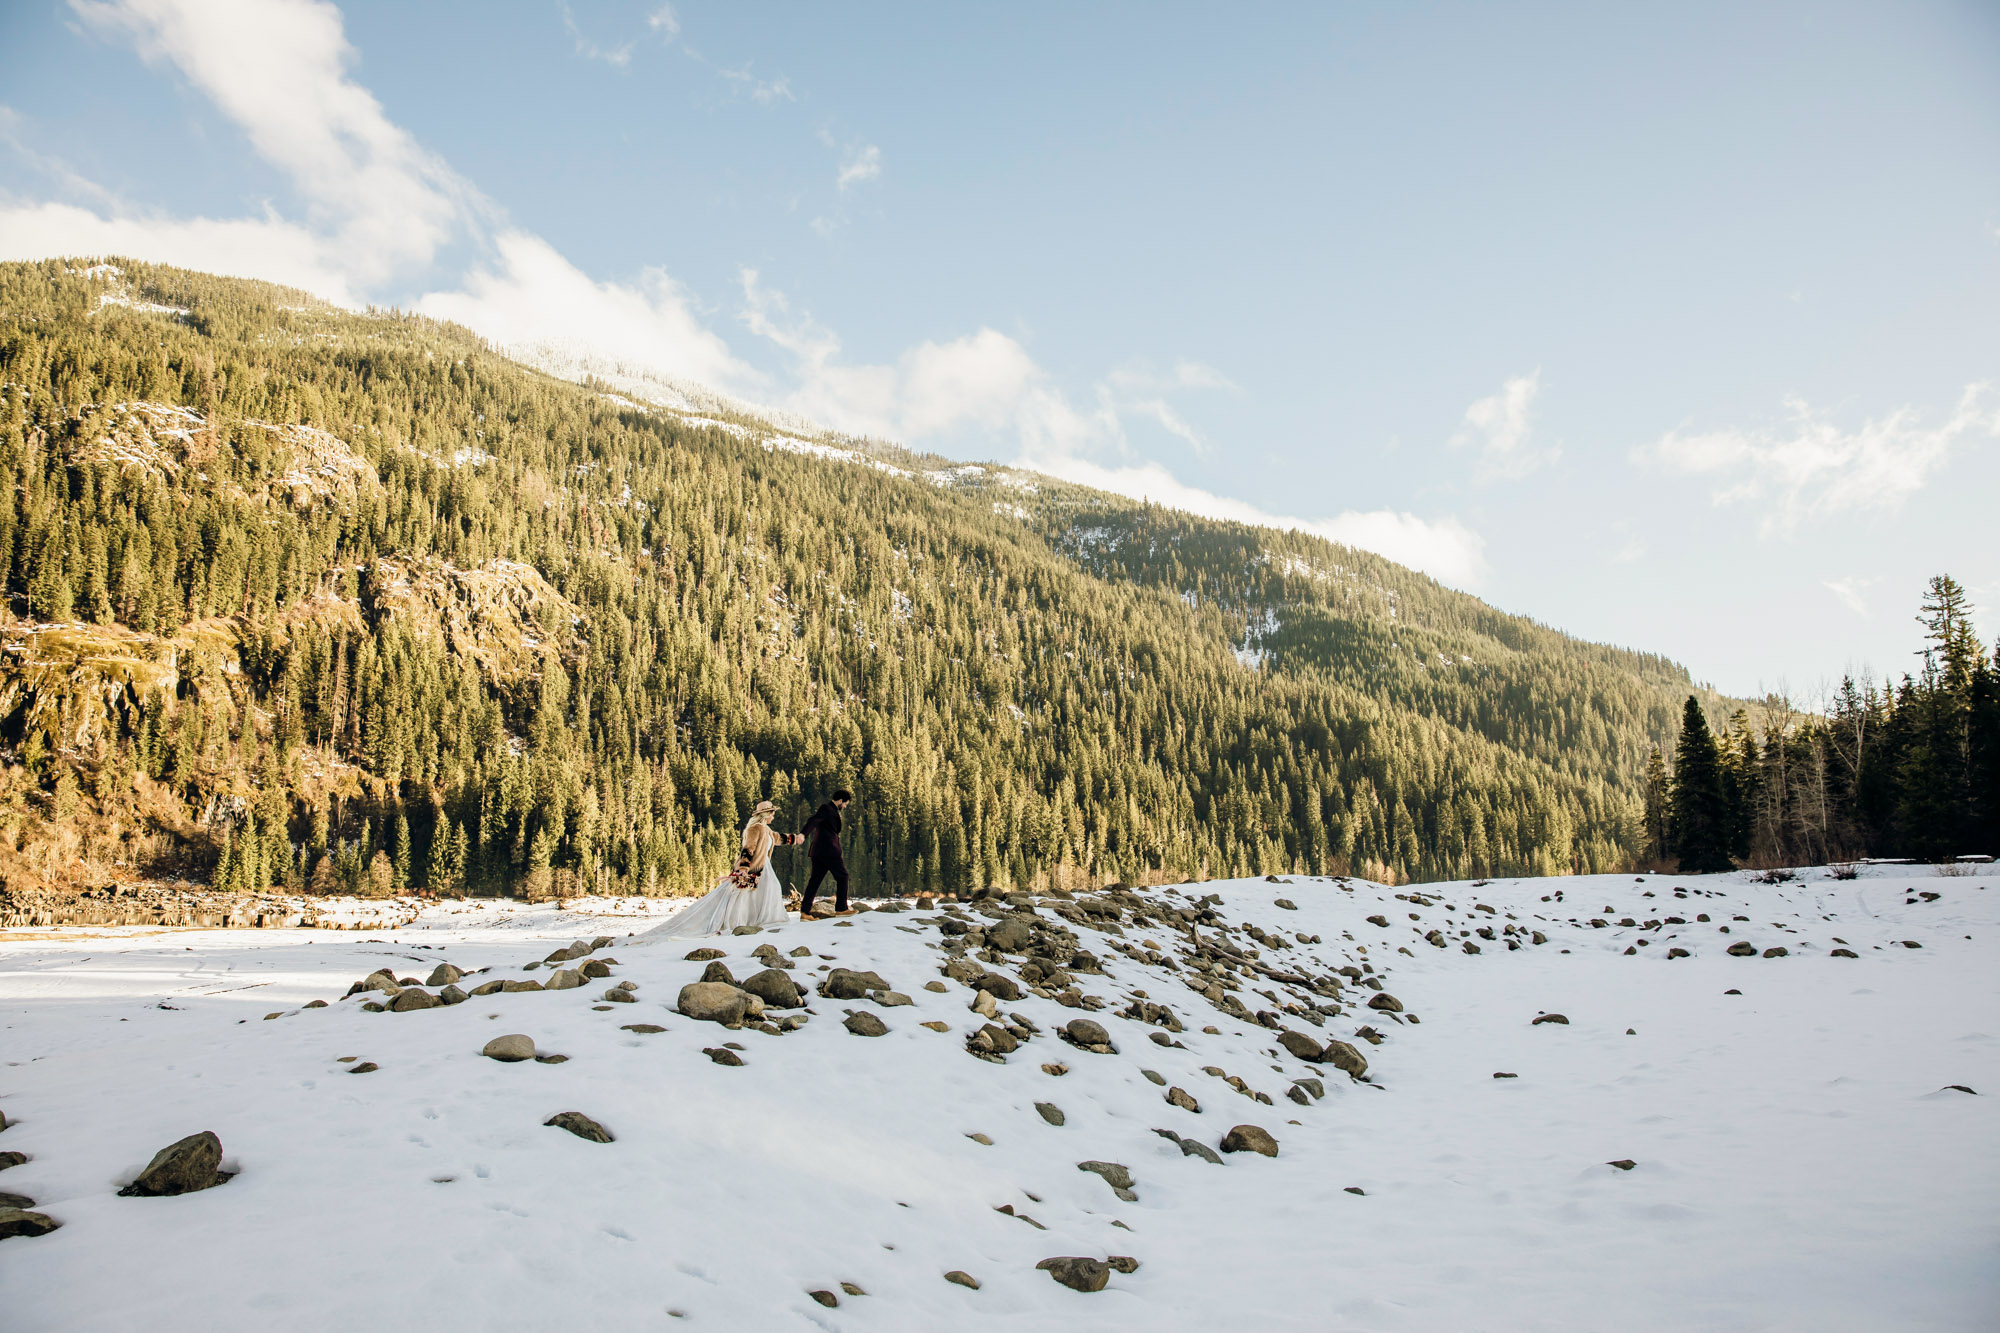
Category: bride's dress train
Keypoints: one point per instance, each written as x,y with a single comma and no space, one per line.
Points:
726,907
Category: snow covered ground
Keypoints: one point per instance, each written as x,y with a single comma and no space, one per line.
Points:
1800,1161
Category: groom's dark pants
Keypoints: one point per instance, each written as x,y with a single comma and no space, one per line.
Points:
821,869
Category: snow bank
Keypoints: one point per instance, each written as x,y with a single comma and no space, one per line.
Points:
1798,1160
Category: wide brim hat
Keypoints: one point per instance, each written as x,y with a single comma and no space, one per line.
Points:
765,808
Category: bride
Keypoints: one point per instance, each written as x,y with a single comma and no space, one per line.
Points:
749,895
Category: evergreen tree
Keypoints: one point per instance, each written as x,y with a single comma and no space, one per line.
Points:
1700,810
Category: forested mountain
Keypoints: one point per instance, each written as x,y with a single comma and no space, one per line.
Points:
332,600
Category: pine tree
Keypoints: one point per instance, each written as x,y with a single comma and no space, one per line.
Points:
1653,835
400,874
1700,811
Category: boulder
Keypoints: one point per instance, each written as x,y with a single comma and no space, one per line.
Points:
1777,951
1050,1112
1114,1174
964,970
1558,1019
567,978
595,969
1000,987
1385,1002
510,1048
962,1278
512,986
1302,1046
890,999
643,1027
1250,1138
581,1125
1077,1272
1089,1034
775,988
1009,935
22,1222
984,1004
992,1040
703,955
1742,949
1181,1097
843,984
718,972
413,998
191,1164
1346,1057
451,995
864,1024
716,1002
722,1055
444,974
8,1159
619,995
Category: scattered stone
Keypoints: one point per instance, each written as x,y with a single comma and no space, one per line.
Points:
717,1002
1178,1096
413,998
551,1059
1356,1189
1124,1263
512,1047
451,995
444,974
1055,1070
864,1024
1385,1002
365,1067
962,1279
981,1139
1090,1035
1077,1272
1958,1087
581,1125
890,999
1623,1164
314,1004
844,984
999,987
15,1200
1050,1112
511,986
722,1055
852,1289
1381,921
1311,1085
1287,904
703,955
642,1027
1842,953
1550,1018
596,969
1742,949
619,996
1249,1138
1154,1077
1732,991
1346,1057
1114,1174
1302,1046
8,1159
1677,953
826,1298
1500,1075
775,988
936,987
1777,951
22,1222
181,1168
936,1026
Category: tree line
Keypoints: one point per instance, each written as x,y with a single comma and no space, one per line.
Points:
1909,768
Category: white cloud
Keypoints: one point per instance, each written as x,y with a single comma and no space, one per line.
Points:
665,22
533,297
761,92
1811,468
278,69
1851,592
618,57
863,164
1499,427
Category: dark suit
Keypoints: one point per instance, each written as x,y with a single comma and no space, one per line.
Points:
823,848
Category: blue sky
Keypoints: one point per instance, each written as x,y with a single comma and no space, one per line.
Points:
1669,326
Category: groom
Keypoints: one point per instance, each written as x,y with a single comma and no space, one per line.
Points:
822,835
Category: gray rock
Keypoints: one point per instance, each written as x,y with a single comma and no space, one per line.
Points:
365,1067
715,1002
1311,1085
567,978
643,1028
1302,1046
444,974
510,1048
620,996
1089,1034
1385,1002
775,988
992,1039
963,1279
487,988
451,995
1077,1272
702,955
595,970
413,998
581,1125
722,1055
15,1200
1003,988
1558,1019
718,972
1742,949
1346,1057
512,986
1009,934
1050,1112
1123,1263
181,1168
1115,1174
843,984
8,1159
890,999
1196,1148
1250,1138
826,1298
21,1222
1154,1077
864,1024
1180,1097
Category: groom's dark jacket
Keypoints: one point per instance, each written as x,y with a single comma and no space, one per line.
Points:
822,832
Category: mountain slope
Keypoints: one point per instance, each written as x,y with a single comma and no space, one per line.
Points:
323,599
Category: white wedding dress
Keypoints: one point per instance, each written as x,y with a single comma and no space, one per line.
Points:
725,907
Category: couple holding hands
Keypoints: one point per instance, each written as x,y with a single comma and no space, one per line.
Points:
751,894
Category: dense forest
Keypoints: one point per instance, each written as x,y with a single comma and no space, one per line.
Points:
340,601
1909,769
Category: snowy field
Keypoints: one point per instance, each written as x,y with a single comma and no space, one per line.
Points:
1799,1159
